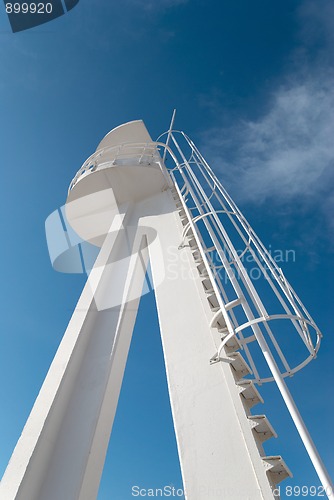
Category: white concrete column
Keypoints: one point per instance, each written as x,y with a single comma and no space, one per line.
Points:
218,455
61,451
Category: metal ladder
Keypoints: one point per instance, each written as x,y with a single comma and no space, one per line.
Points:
262,430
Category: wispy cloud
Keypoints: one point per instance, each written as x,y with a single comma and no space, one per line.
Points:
317,22
287,152
286,156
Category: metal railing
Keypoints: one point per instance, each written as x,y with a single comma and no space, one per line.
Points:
128,153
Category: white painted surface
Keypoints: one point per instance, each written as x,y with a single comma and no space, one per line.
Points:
71,420
61,452
217,451
134,131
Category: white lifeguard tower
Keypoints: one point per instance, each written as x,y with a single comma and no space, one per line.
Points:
221,328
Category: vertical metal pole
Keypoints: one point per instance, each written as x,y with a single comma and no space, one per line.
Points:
296,417
169,134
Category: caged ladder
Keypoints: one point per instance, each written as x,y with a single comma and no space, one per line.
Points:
254,308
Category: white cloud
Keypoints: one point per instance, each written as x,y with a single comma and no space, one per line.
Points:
287,153
317,22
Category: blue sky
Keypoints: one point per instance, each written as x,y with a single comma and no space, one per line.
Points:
253,84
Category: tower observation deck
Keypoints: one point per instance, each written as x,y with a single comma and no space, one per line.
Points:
229,322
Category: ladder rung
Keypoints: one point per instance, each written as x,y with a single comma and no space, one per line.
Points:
223,330
232,344
199,260
213,302
207,285
217,320
262,428
197,257
202,270
239,365
276,468
192,242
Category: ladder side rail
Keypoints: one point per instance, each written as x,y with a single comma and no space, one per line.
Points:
277,347
279,352
287,289
252,292
248,230
235,323
169,134
213,279
242,219
204,257
245,224
196,234
220,251
248,312
307,341
251,250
